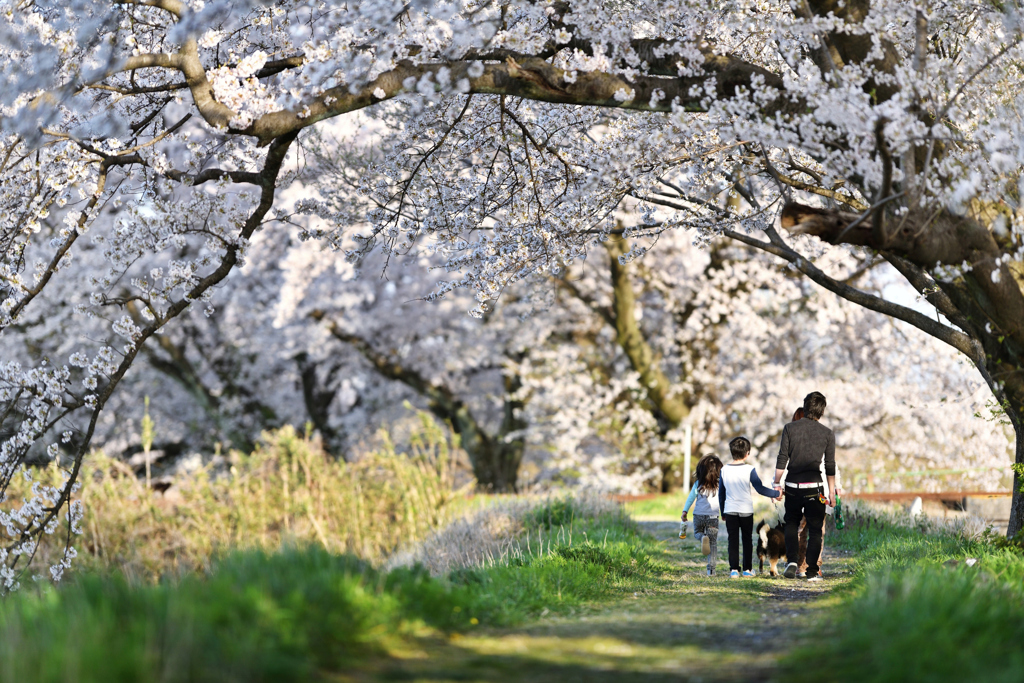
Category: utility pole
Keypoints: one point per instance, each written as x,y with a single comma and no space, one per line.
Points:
687,447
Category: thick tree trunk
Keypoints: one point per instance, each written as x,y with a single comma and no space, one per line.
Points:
494,459
633,343
317,397
669,407
1016,524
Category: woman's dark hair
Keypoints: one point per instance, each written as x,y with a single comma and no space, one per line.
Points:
708,471
814,405
739,447
798,414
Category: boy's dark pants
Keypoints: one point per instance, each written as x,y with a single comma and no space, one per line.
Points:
804,503
740,527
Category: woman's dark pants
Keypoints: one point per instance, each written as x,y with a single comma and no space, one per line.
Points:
804,503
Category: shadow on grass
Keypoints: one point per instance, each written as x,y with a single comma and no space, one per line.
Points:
511,668
616,661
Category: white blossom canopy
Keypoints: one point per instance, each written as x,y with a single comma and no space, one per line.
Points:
515,130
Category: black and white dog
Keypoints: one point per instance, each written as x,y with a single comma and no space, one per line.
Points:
771,544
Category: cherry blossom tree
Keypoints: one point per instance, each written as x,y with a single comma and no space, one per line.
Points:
519,129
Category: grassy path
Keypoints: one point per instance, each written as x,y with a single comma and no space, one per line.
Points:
690,628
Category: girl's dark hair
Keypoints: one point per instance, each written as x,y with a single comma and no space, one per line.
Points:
708,470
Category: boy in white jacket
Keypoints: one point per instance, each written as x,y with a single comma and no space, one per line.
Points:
737,504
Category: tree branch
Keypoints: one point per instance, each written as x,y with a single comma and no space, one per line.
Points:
955,338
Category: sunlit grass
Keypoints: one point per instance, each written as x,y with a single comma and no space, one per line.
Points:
296,614
661,508
931,603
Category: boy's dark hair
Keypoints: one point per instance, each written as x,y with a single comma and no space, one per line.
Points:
739,447
814,405
707,473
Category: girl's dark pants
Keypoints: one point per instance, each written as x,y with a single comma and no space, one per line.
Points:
804,503
740,527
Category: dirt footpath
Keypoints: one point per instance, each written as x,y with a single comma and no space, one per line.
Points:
694,629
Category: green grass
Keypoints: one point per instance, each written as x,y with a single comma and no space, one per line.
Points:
592,558
918,611
667,507
299,613
661,508
257,617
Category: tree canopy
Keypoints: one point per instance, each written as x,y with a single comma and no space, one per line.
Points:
514,136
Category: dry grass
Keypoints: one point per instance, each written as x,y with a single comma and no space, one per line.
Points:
966,527
288,491
505,528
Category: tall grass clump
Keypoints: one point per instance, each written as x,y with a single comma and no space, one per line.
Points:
292,615
934,601
302,613
521,557
289,489
925,624
509,527
892,539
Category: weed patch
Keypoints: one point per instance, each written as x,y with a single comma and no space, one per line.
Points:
288,490
925,624
297,614
256,617
931,602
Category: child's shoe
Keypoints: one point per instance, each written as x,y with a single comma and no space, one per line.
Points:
705,546
747,573
711,572
801,575
734,574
